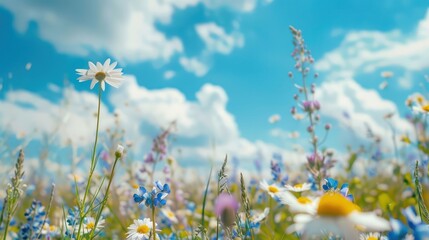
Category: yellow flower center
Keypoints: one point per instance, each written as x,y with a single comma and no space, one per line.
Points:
90,225
100,76
335,205
420,99
425,108
372,238
143,229
273,189
52,228
299,185
304,200
170,214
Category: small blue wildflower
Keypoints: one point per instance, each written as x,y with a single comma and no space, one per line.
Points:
35,216
344,190
155,198
399,230
330,184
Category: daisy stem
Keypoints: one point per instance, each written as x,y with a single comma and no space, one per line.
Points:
153,223
93,164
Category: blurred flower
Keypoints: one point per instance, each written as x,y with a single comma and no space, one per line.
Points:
299,205
169,215
405,139
50,230
337,215
101,73
421,109
300,187
140,229
119,151
274,118
89,224
372,236
272,189
386,74
226,207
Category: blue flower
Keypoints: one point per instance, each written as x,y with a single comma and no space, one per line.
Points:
155,198
330,184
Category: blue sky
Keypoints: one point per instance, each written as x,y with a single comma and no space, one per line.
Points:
245,59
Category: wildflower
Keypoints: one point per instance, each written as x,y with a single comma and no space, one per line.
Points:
101,73
300,187
405,139
271,189
299,205
50,230
155,198
169,215
119,151
89,225
259,217
336,214
386,74
226,207
372,236
140,229
421,109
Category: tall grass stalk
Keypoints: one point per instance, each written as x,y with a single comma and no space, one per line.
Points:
13,193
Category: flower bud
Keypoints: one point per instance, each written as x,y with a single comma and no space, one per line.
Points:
119,151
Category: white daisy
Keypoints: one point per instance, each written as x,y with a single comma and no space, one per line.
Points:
140,229
421,109
169,215
299,205
101,73
49,230
337,215
300,187
271,189
259,217
372,236
89,225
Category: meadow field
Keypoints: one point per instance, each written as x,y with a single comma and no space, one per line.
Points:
214,119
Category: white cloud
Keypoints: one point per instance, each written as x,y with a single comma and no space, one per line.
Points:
126,29
194,66
69,120
205,128
169,74
217,40
369,51
364,107
406,81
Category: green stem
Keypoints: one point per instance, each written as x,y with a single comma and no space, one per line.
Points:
153,223
5,228
106,195
93,163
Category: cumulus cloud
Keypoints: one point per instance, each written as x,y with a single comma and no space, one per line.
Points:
205,128
169,74
127,30
67,120
238,5
356,108
194,66
369,51
217,40
124,29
